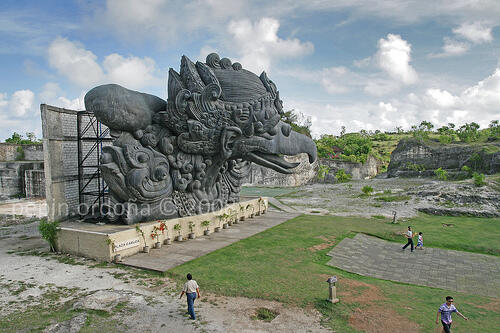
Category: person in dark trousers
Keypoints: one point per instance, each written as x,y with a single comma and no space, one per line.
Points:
409,235
445,310
191,289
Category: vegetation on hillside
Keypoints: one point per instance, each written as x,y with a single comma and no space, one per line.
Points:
356,147
17,138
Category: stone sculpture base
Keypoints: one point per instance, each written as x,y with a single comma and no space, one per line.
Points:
91,240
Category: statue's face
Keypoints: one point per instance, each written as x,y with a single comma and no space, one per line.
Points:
232,114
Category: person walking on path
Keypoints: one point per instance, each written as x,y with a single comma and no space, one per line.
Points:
191,289
420,241
445,310
409,235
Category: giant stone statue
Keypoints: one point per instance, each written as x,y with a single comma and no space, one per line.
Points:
189,154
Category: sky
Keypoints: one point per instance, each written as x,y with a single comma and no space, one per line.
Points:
362,64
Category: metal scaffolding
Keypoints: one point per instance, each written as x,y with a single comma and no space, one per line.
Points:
92,190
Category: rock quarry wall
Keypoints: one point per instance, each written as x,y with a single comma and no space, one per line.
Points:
368,169
306,173
411,155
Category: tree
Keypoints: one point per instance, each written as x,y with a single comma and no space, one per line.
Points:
15,138
469,132
421,132
299,122
494,128
19,139
447,133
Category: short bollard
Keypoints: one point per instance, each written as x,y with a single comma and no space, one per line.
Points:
333,290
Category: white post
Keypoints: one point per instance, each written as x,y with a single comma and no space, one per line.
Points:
332,289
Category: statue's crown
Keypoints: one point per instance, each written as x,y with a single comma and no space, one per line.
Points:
237,85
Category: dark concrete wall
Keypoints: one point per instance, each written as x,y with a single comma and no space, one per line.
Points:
12,177
31,152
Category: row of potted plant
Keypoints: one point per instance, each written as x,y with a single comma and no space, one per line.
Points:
225,220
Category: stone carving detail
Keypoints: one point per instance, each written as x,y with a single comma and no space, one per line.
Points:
189,154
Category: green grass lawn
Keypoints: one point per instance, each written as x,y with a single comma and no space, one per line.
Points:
287,263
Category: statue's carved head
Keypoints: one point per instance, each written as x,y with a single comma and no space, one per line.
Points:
237,111
217,119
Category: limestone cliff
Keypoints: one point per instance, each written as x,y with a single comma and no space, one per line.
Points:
415,158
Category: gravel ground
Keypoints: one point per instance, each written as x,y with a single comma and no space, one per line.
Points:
344,199
405,196
136,301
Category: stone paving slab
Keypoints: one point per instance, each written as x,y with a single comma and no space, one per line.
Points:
467,272
170,256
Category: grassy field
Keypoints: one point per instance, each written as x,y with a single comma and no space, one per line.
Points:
287,263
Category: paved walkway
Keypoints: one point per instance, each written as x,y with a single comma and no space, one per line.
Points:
281,206
447,269
169,256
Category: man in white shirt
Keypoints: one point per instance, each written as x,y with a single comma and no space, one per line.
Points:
409,235
191,289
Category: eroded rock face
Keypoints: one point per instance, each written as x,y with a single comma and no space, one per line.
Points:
458,199
189,154
412,158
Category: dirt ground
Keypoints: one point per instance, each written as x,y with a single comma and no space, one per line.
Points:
137,302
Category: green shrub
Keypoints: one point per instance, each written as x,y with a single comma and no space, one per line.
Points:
469,132
342,176
367,189
441,174
478,179
392,198
48,230
355,147
468,170
494,129
421,132
323,171
445,139
477,161
414,167
265,314
20,153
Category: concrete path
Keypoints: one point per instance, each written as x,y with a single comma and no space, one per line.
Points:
281,206
170,256
447,269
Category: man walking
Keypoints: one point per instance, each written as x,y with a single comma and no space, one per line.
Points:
445,310
191,289
409,235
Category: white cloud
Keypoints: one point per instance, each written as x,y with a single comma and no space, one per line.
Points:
394,57
166,21
476,32
3,100
21,102
365,62
51,94
73,61
451,48
441,98
72,104
259,46
81,67
478,102
132,72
